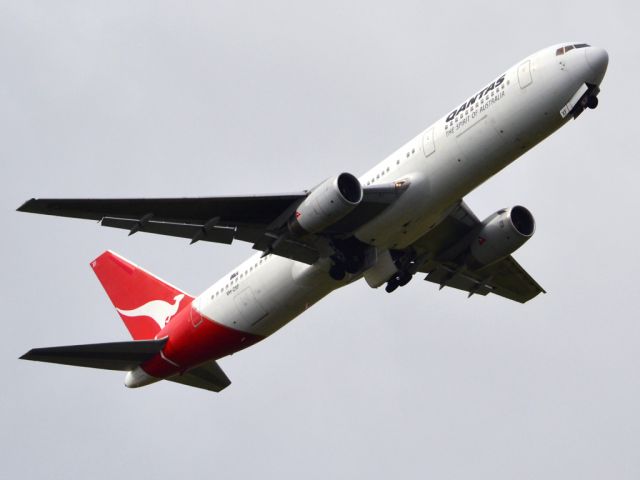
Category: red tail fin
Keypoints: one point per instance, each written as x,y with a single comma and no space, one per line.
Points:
145,303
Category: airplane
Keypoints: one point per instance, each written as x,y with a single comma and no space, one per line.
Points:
403,217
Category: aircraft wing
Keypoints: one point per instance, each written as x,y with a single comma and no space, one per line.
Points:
254,219
442,248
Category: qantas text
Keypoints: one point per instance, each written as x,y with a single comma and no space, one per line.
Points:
473,99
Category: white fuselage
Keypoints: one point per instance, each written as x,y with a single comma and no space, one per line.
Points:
443,163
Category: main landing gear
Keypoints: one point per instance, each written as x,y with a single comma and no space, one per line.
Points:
351,256
407,263
337,271
400,280
342,266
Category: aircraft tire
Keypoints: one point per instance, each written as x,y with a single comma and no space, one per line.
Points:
337,272
404,278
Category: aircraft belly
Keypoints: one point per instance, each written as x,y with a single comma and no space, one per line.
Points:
298,287
269,298
437,183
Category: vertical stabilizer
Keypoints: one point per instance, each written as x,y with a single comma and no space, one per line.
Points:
145,303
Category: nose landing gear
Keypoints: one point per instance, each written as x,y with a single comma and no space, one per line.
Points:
588,100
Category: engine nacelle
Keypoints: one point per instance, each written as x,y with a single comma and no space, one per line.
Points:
326,204
502,234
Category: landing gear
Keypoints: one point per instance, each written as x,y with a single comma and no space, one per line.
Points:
354,264
588,100
404,278
407,263
337,272
340,268
350,256
399,280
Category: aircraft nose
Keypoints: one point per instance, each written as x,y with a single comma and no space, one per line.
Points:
597,60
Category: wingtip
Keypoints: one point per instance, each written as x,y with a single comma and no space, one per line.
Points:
25,206
26,356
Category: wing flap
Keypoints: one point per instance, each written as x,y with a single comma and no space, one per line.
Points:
123,356
450,278
505,278
195,232
511,281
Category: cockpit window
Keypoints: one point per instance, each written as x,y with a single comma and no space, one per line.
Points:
565,49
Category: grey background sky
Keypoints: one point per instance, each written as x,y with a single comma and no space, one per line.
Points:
216,98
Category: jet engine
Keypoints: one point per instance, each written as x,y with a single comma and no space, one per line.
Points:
501,234
326,204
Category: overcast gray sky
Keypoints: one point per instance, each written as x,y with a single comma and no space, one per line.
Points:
155,98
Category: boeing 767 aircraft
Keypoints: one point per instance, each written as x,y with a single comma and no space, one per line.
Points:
403,217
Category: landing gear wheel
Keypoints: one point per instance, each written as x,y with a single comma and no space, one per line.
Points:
391,285
353,265
592,102
337,272
404,278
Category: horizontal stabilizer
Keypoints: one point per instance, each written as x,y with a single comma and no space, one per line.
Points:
208,376
124,356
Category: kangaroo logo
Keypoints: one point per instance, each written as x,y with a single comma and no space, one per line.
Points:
159,310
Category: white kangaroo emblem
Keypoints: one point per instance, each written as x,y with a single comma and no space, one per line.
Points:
159,310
